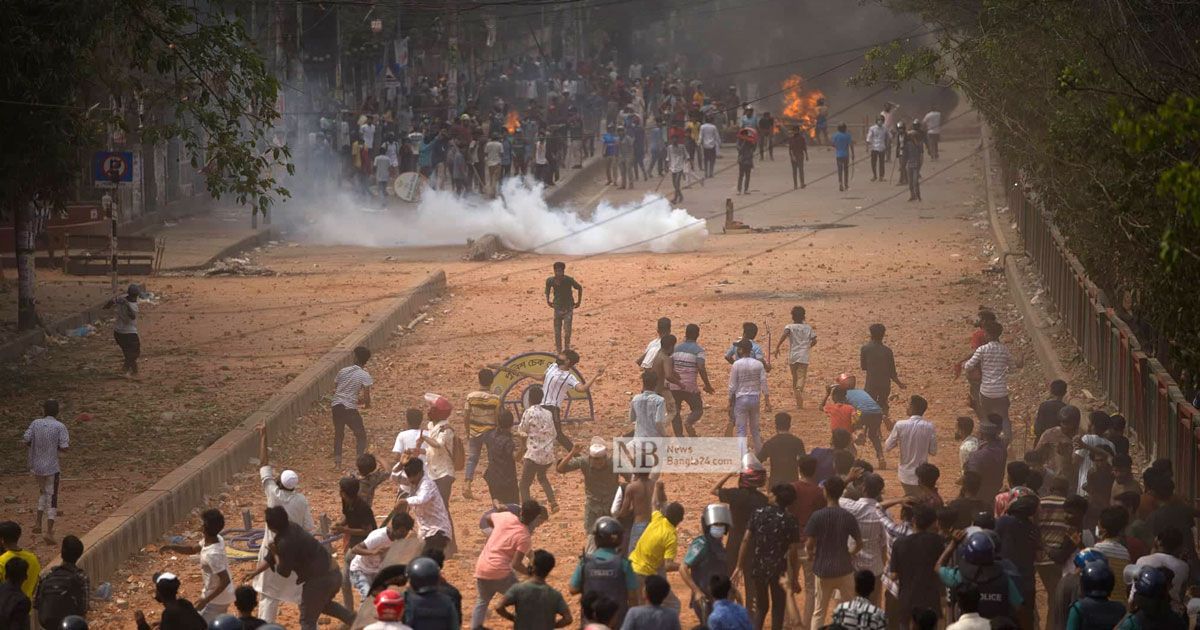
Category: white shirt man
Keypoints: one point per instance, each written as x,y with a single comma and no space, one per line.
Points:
933,122
557,384
426,506
439,445
651,352
917,440
710,138
877,137
368,135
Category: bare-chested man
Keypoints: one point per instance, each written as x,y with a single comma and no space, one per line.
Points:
663,367
640,497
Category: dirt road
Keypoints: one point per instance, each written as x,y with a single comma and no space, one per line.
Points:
920,268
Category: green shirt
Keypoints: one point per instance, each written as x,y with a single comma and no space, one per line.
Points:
537,605
561,289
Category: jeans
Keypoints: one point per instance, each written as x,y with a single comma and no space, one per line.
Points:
914,181
710,161
343,417
474,452
563,318
487,589
131,349
877,165
695,409
610,168
657,159
843,584
762,588
361,582
843,170
529,470
797,173
743,182
316,598
999,407
676,180
745,420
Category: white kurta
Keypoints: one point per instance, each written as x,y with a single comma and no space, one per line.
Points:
269,583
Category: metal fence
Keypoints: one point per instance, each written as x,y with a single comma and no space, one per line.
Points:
1158,414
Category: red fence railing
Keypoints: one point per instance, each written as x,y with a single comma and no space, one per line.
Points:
1163,422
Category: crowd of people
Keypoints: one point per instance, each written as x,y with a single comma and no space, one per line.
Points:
1110,549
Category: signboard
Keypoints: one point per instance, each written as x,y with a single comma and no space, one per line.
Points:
528,369
408,186
107,163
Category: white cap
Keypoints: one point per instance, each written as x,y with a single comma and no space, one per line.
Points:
165,576
598,448
289,479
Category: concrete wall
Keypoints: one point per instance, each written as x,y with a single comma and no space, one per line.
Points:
144,518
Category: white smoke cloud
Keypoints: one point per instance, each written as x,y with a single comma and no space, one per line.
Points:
521,218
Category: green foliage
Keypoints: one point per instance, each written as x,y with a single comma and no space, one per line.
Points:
172,70
1095,102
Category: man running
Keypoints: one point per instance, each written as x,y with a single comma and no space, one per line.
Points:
352,386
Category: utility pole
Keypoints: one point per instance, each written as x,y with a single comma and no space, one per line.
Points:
115,176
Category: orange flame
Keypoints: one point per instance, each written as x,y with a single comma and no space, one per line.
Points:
512,122
800,105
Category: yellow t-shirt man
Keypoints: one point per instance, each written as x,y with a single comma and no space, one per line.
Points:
656,546
483,408
35,569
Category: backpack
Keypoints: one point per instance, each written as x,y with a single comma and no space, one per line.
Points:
61,593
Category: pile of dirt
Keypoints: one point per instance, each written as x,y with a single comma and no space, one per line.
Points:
235,267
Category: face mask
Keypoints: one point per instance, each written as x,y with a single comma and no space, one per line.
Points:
717,531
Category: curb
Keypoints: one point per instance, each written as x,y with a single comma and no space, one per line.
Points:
233,249
13,350
142,519
1035,326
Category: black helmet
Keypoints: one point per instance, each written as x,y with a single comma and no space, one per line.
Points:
1096,580
423,572
1151,582
608,532
74,622
980,549
225,622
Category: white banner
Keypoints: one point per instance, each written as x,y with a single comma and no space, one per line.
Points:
677,455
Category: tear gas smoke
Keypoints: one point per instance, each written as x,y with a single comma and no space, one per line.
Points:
521,218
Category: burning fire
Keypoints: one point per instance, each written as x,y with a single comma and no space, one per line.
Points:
512,122
800,105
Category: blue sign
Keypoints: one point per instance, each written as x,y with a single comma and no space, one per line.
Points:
107,165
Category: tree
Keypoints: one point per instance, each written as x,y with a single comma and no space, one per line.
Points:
1095,102
154,69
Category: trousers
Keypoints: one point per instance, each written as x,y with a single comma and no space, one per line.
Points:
343,417
316,598
563,318
529,470
843,584
486,590
47,494
745,421
695,410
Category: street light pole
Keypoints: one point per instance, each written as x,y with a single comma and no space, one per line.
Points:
115,176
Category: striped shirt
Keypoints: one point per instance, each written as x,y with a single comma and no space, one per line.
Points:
482,410
747,377
688,358
347,385
859,613
556,385
874,538
44,437
994,359
895,529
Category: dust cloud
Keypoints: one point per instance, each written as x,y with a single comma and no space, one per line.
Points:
520,217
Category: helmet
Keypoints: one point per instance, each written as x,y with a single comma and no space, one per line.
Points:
609,530
389,605
1097,580
1086,556
225,622
846,380
717,513
916,122
423,573
980,549
74,622
1151,582
439,407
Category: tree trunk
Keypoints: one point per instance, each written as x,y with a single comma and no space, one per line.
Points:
24,225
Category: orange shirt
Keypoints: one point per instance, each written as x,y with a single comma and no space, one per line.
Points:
841,415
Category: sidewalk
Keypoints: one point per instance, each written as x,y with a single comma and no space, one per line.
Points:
63,301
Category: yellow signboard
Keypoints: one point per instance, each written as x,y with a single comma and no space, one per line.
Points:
528,369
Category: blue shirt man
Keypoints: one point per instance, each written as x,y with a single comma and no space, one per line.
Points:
841,144
862,401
